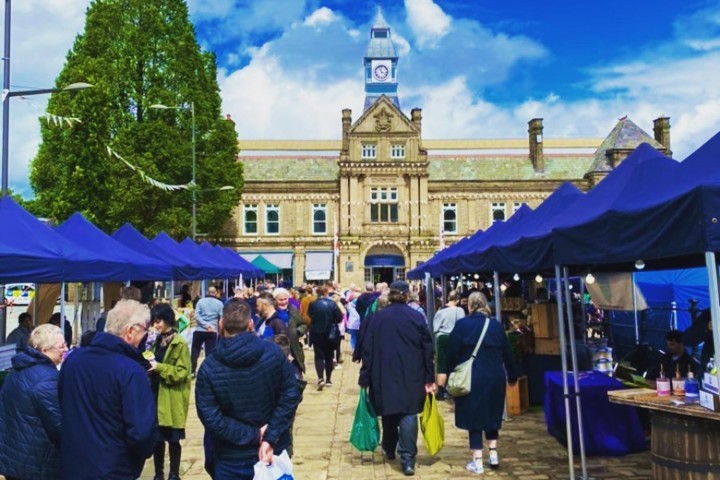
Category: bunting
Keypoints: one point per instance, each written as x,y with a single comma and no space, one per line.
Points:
148,179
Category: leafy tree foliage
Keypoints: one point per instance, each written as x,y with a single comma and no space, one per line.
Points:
137,53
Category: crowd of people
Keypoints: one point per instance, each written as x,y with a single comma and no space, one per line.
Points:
102,409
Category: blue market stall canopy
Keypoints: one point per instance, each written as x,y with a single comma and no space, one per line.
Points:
183,268
30,251
77,229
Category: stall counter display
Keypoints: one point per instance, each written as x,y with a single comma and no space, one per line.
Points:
608,429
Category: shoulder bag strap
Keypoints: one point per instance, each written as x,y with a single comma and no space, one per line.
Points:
482,336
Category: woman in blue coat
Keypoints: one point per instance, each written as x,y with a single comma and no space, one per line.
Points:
482,409
29,411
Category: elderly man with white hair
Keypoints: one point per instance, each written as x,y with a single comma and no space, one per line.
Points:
106,401
296,327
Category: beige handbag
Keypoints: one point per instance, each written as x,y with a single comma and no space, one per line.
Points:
460,380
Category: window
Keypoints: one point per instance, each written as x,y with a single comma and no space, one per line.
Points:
397,151
319,219
517,206
497,212
449,218
250,220
272,219
384,205
369,150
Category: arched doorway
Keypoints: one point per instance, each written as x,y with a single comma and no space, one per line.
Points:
384,263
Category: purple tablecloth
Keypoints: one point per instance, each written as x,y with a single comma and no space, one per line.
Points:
608,429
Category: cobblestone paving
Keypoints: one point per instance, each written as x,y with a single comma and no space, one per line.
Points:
322,450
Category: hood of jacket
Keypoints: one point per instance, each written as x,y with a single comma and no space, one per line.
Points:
108,341
243,350
29,358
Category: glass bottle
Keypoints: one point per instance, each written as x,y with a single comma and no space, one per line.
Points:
692,389
678,383
663,384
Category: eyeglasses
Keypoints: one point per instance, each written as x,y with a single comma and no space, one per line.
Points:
141,325
59,347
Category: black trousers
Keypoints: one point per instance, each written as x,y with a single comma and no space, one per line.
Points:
209,339
401,431
324,353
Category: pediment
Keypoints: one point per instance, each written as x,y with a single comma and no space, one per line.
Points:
383,117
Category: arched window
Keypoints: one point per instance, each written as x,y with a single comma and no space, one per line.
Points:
250,220
450,218
319,219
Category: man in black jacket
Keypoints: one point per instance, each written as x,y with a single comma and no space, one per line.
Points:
324,313
397,365
246,396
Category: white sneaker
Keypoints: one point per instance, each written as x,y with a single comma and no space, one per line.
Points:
475,466
493,459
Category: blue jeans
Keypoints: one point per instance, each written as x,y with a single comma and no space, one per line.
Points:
233,470
353,337
400,431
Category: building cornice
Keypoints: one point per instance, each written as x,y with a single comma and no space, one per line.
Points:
460,144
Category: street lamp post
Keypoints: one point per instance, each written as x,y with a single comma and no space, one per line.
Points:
6,96
194,192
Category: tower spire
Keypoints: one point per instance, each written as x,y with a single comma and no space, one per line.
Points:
380,63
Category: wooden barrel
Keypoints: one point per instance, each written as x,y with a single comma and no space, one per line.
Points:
685,447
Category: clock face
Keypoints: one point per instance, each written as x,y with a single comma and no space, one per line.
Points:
381,72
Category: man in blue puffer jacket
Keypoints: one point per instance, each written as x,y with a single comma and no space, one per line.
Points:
246,396
30,422
107,403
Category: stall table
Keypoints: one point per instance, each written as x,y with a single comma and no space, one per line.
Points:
685,441
608,429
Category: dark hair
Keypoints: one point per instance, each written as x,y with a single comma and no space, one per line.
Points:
674,336
396,296
87,337
164,312
236,317
130,293
321,291
283,341
24,316
55,318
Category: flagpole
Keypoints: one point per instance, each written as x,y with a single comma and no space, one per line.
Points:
336,254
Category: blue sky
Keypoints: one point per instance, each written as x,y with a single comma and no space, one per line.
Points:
479,69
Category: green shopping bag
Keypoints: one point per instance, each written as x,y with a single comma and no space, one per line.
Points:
365,434
432,426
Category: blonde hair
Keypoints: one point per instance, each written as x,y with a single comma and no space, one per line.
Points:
124,314
477,302
382,302
43,337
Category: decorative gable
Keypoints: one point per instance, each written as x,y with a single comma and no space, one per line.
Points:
383,117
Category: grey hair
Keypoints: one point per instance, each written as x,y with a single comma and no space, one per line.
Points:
125,314
413,297
477,302
43,337
382,301
369,287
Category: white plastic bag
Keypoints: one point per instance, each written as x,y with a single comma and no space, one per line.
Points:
279,469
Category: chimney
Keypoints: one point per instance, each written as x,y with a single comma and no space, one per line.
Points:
535,129
661,129
416,117
346,121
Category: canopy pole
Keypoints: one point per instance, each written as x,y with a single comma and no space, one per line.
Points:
573,355
430,302
714,303
443,286
635,310
496,285
584,311
62,308
563,361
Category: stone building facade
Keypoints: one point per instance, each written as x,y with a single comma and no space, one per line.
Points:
383,200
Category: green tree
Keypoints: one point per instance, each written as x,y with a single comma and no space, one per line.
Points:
137,53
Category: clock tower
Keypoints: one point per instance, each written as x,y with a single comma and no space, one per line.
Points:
380,64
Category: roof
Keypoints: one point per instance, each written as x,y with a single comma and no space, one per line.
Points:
380,47
624,136
295,169
441,168
507,167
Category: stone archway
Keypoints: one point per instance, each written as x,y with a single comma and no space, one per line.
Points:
384,262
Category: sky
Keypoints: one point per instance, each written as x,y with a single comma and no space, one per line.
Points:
478,69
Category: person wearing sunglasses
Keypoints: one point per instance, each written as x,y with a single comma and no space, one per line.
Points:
106,401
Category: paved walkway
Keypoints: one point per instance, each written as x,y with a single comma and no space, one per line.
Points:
322,450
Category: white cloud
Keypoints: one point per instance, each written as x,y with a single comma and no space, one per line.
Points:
321,16
428,22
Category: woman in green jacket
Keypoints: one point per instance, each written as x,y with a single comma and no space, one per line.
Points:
171,386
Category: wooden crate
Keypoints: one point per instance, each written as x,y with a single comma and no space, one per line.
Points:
547,346
517,397
544,319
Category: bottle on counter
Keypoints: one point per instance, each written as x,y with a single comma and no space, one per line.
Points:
663,384
678,383
692,389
